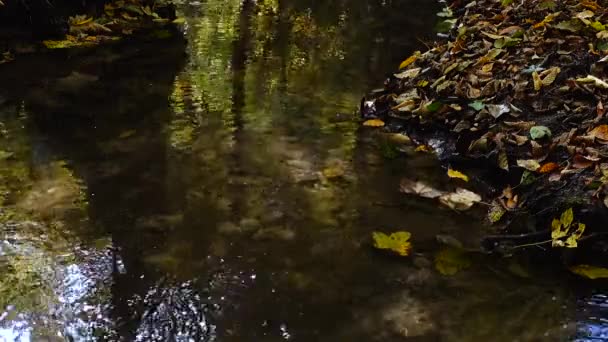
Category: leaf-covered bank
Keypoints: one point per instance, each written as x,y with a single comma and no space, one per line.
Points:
513,94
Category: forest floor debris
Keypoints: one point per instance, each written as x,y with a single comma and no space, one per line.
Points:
520,89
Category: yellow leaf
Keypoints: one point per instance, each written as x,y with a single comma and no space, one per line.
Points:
588,271
550,75
411,59
423,148
422,83
397,242
374,123
457,174
537,82
572,240
179,21
567,218
451,260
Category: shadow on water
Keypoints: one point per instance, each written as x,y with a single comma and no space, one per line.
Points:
230,195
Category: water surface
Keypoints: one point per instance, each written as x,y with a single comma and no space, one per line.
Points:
229,193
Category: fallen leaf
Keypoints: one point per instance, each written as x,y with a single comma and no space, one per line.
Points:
374,123
562,228
497,110
411,59
450,260
461,199
549,75
423,148
419,188
397,242
529,164
503,160
548,168
588,271
540,132
593,80
457,174
536,80
496,212
600,132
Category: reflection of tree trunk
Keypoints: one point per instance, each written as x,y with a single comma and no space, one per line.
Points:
240,55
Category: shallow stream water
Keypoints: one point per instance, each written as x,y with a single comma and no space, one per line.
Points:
214,184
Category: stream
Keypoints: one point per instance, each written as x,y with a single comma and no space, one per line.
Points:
215,184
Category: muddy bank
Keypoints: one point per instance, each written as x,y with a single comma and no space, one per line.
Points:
512,96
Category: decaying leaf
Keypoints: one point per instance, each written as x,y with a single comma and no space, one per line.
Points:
451,260
419,188
374,123
457,174
600,132
496,212
397,242
588,271
461,199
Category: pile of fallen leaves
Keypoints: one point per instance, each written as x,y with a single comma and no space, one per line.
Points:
120,18
523,83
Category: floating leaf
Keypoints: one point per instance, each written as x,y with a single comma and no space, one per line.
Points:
374,123
588,271
461,199
397,242
419,188
411,59
540,132
450,261
457,174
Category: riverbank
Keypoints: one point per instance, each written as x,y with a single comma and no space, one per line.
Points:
513,97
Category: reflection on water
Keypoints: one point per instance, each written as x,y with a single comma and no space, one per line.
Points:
232,198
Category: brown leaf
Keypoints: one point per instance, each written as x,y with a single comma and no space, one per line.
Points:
600,132
580,162
548,167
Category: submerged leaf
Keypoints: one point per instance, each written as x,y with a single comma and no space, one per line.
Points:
397,242
588,271
419,188
450,261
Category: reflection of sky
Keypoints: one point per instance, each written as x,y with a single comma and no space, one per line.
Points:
67,312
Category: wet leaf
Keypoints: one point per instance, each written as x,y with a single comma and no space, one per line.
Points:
461,199
457,174
540,132
563,228
588,271
450,260
419,188
179,21
496,212
397,242
374,123
409,60
529,164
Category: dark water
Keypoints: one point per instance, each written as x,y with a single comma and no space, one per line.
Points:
168,191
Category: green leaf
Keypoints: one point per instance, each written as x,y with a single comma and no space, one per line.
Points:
397,242
596,25
434,106
540,132
477,105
